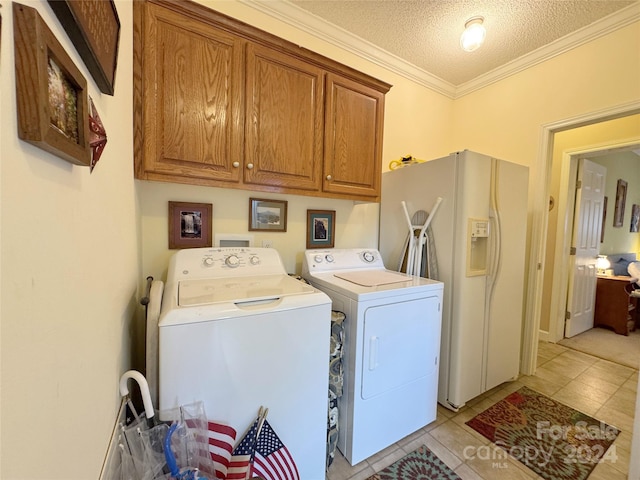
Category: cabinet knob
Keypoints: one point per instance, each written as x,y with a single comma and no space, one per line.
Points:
250,166
235,164
329,177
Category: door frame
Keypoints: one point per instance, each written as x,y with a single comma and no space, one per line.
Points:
539,219
565,221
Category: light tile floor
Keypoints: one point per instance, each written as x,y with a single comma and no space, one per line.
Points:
599,388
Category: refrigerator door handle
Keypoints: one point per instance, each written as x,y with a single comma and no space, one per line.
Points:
495,235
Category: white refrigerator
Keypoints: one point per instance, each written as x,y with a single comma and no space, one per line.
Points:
479,232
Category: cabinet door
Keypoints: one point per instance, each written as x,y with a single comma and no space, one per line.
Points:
192,100
353,138
284,102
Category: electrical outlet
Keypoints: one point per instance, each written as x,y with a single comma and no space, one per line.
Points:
267,244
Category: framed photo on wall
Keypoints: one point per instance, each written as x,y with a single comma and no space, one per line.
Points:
94,29
267,215
635,218
621,199
51,93
604,218
190,225
321,226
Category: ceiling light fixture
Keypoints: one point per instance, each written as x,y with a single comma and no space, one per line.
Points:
473,35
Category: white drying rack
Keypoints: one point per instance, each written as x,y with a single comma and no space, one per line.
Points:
417,240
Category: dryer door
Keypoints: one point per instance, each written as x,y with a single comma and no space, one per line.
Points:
401,344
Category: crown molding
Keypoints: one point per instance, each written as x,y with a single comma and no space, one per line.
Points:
314,25
608,24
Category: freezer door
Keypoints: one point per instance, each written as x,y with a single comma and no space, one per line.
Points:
468,322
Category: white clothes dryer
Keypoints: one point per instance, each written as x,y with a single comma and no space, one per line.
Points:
237,332
391,347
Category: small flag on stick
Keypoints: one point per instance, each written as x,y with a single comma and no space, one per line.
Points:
272,460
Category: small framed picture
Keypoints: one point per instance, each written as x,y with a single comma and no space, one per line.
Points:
604,218
189,225
635,218
321,226
621,199
267,215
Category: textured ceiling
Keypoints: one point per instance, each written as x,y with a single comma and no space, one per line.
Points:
426,33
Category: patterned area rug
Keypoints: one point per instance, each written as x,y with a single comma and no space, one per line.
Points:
421,464
552,439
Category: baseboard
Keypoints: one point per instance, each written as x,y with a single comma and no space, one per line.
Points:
110,466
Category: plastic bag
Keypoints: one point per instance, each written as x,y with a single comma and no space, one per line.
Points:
190,441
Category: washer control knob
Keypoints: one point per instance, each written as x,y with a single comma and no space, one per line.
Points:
254,260
368,257
207,262
232,261
318,258
329,258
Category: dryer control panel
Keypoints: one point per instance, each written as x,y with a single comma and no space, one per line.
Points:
341,259
224,262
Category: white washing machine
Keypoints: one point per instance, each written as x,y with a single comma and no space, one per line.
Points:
237,332
391,347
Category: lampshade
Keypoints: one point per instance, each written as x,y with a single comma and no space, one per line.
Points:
473,35
602,263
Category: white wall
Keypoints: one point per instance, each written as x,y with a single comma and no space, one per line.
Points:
70,266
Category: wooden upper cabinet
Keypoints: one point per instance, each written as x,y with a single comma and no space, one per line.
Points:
192,79
218,102
353,138
284,124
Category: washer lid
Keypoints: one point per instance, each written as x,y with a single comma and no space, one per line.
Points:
239,289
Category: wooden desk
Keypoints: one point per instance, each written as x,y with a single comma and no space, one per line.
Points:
614,308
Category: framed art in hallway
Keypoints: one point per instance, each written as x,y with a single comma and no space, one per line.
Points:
604,218
190,225
621,199
321,228
635,218
51,93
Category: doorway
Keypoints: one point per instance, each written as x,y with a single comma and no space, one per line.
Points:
539,224
556,281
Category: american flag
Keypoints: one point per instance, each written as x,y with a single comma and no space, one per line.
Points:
221,441
242,456
272,459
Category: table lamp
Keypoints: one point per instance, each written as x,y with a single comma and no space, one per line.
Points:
602,264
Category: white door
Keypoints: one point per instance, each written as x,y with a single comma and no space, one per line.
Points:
587,225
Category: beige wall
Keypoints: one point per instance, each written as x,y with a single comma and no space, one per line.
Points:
506,119
624,166
75,246
70,269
